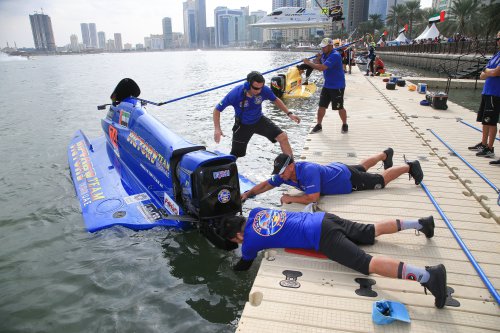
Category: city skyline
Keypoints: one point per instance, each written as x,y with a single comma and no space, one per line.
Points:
67,16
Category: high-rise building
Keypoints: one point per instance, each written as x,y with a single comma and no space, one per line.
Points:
85,34
190,29
378,7
93,35
201,23
43,35
357,12
110,45
118,42
289,3
101,37
256,34
74,43
230,25
167,32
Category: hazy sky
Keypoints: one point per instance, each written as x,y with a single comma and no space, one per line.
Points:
133,19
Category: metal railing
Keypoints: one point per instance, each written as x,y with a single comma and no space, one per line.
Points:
489,46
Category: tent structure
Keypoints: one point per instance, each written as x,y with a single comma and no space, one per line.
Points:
401,38
429,32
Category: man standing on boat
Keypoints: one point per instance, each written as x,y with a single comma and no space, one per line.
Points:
489,110
335,237
335,178
246,99
334,86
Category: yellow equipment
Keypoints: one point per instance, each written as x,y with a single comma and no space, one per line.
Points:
290,85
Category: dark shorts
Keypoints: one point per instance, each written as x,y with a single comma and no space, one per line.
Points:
362,180
340,239
243,133
335,96
489,110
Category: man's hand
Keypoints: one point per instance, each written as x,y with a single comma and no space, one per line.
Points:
483,75
217,135
295,118
286,199
245,196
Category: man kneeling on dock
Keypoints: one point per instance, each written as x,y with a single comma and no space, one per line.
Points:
335,178
336,238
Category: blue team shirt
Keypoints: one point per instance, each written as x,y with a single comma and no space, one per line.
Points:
253,105
334,178
334,75
492,84
268,229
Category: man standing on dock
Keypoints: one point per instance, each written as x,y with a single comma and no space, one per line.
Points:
246,99
334,86
489,110
335,237
335,178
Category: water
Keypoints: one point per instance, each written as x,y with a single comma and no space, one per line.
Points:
468,98
56,277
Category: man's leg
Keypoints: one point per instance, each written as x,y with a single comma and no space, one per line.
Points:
343,115
492,133
385,156
321,114
284,144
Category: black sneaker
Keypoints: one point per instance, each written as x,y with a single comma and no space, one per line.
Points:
345,128
497,162
317,128
427,224
477,147
388,160
486,152
436,284
416,171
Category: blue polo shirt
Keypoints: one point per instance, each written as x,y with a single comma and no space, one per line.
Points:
492,84
277,229
334,178
253,105
334,75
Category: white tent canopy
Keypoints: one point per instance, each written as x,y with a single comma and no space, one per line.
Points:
401,38
429,32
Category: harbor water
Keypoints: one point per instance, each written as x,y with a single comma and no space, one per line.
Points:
55,276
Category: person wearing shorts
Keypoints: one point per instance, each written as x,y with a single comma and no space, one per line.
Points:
334,86
335,237
489,110
316,180
246,99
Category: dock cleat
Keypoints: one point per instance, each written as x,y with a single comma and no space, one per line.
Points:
436,284
416,171
427,224
477,147
389,152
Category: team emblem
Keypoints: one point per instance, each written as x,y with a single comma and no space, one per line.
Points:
269,222
224,196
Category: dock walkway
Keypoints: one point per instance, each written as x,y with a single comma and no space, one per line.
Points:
326,300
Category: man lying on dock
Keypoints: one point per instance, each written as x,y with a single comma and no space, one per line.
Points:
335,178
336,238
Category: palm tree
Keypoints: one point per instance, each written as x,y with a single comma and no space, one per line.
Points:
413,13
376,21
397,17
463,12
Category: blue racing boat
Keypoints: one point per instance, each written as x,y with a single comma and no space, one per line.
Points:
140,174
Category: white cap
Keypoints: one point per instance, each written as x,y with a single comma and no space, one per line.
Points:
325,42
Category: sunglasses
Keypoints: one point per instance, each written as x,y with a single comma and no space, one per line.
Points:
497,39
256,88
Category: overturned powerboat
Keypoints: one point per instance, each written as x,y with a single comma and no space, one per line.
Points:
290,85
140,174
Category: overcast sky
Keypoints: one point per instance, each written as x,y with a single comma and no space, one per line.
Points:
133,19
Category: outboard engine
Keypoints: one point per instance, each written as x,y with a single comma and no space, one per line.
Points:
278,84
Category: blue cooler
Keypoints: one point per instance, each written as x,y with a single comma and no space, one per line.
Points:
422,88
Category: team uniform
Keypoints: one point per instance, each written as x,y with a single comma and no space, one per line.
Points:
249,118
335,237
334,178
489,109
333,89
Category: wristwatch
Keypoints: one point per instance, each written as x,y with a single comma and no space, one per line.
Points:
289,113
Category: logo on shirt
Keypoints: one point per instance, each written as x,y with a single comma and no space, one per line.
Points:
268,222
258,99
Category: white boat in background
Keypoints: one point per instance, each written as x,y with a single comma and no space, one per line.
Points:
294,17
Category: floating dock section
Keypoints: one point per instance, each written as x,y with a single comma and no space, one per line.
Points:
459,189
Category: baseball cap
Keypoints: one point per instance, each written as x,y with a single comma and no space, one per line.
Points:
325,42
281,162
336,42
385,312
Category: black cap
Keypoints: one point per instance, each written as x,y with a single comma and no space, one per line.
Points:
281,162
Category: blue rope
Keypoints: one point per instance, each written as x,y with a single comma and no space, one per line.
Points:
471,258
467,163
474,127
233,82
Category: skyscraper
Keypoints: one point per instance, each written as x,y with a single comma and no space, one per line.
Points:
167,32
85,34
378,7
190,30
118,42
101,37
93,35
230,26
43,35
74,43
201,23
357,12
288,3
